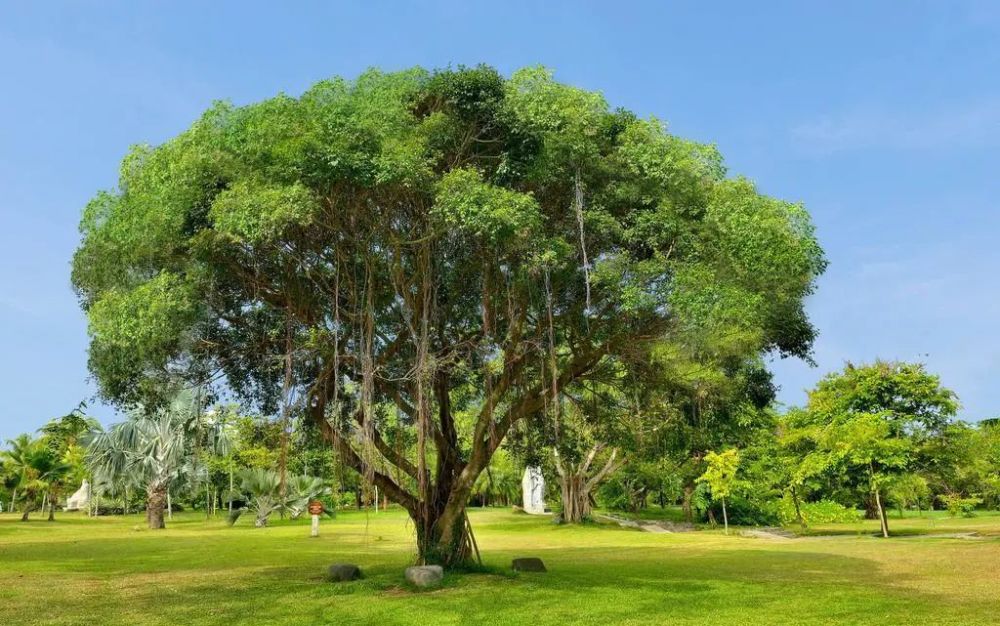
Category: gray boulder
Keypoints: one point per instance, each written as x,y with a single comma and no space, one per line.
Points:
425,575
343,572
528,564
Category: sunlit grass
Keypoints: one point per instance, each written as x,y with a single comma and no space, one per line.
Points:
113,571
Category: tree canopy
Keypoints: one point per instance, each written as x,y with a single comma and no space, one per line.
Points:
428,242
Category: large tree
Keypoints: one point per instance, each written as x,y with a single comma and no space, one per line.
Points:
432,241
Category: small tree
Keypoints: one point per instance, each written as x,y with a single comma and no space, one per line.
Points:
870,421
721,477
266,498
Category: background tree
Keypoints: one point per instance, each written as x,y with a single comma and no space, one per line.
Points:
870,421
720,476
16,464
66,436
402,238
149,451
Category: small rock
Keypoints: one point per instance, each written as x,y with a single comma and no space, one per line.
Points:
528,564
425,575
343,572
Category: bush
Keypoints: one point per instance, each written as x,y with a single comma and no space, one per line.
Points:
820,512
957,504
743,511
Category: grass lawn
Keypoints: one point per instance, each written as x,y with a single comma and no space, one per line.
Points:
112,571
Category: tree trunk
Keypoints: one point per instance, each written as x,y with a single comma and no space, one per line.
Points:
170,507
445,540
686,504
575,499
798,509
577,486
881,514
725,516
156,498
29,506
871,508
52,510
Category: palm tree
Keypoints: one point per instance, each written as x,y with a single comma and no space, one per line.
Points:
41,472
302,490
148,450
264,487
17,461
51,472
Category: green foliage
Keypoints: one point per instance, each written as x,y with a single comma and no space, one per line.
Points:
909,490
150,449
267,496
873,418
443,244
720,475
497,215
818,512
254,212
957,504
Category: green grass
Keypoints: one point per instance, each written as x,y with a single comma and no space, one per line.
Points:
112,571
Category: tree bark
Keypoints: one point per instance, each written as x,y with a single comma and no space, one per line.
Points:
725,516
156,500
438,506
28,508
881,514
798,509
446,541
686,504
52,510
577,487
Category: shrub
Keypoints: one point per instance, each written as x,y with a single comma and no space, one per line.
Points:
748,511
819,512
956,504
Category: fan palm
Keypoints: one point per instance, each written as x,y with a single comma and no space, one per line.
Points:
302,490
148,450
264,487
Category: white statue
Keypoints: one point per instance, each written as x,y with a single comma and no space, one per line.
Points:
533,491
80,499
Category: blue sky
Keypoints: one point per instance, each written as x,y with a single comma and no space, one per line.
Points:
882,117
